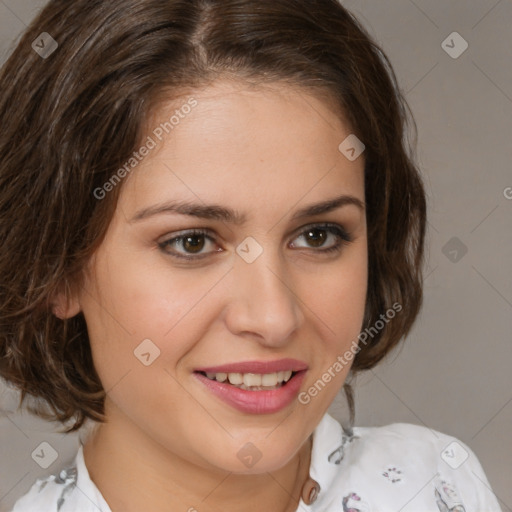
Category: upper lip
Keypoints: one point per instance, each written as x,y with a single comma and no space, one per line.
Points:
260,367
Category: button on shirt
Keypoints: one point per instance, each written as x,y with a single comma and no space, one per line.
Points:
395,468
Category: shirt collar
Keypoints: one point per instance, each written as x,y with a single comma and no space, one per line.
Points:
87,486
326,454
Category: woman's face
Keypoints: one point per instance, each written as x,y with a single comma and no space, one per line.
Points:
225,259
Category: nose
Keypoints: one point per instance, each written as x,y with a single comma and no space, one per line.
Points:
263,303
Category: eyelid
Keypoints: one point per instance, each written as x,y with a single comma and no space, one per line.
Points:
342,231
182,233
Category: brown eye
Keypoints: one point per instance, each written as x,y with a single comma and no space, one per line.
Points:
193,244
189,245
316,237
325,237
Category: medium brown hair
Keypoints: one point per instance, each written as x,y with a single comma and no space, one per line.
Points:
70,120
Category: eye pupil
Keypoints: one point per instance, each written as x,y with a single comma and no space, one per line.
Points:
193,243
317,236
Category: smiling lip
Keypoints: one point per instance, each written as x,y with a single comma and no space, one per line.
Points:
257,401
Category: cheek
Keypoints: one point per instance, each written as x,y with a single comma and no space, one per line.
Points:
133,301
337,310
145,296
340,309
340,297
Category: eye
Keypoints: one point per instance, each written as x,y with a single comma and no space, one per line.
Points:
189,245
324,238
193,244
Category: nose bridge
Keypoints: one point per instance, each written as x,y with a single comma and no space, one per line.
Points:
264,301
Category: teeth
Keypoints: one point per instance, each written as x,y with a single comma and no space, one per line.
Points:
236,378
252,380
270,379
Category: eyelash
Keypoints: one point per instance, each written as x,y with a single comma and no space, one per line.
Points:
343,238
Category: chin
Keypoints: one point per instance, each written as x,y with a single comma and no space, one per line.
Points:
258,454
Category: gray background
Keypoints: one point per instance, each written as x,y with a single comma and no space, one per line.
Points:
453,373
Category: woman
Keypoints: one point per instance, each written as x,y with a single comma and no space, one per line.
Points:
219,226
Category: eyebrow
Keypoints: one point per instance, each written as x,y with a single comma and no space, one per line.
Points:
221,213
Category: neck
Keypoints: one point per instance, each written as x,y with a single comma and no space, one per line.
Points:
134,472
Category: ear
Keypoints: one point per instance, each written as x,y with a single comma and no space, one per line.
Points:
64,303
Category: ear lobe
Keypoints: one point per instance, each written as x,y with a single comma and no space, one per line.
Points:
65,311
64,305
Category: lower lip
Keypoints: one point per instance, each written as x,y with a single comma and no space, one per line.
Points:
255,402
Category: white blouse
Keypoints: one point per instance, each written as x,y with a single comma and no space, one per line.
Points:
395,468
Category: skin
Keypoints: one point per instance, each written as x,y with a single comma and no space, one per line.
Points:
265,152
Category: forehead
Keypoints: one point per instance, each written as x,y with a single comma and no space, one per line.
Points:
251,147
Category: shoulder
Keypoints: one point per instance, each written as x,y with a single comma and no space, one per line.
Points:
420,451
50,493
69,490
401,440
396,435
402,466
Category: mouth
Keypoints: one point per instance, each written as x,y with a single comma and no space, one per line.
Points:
255,387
